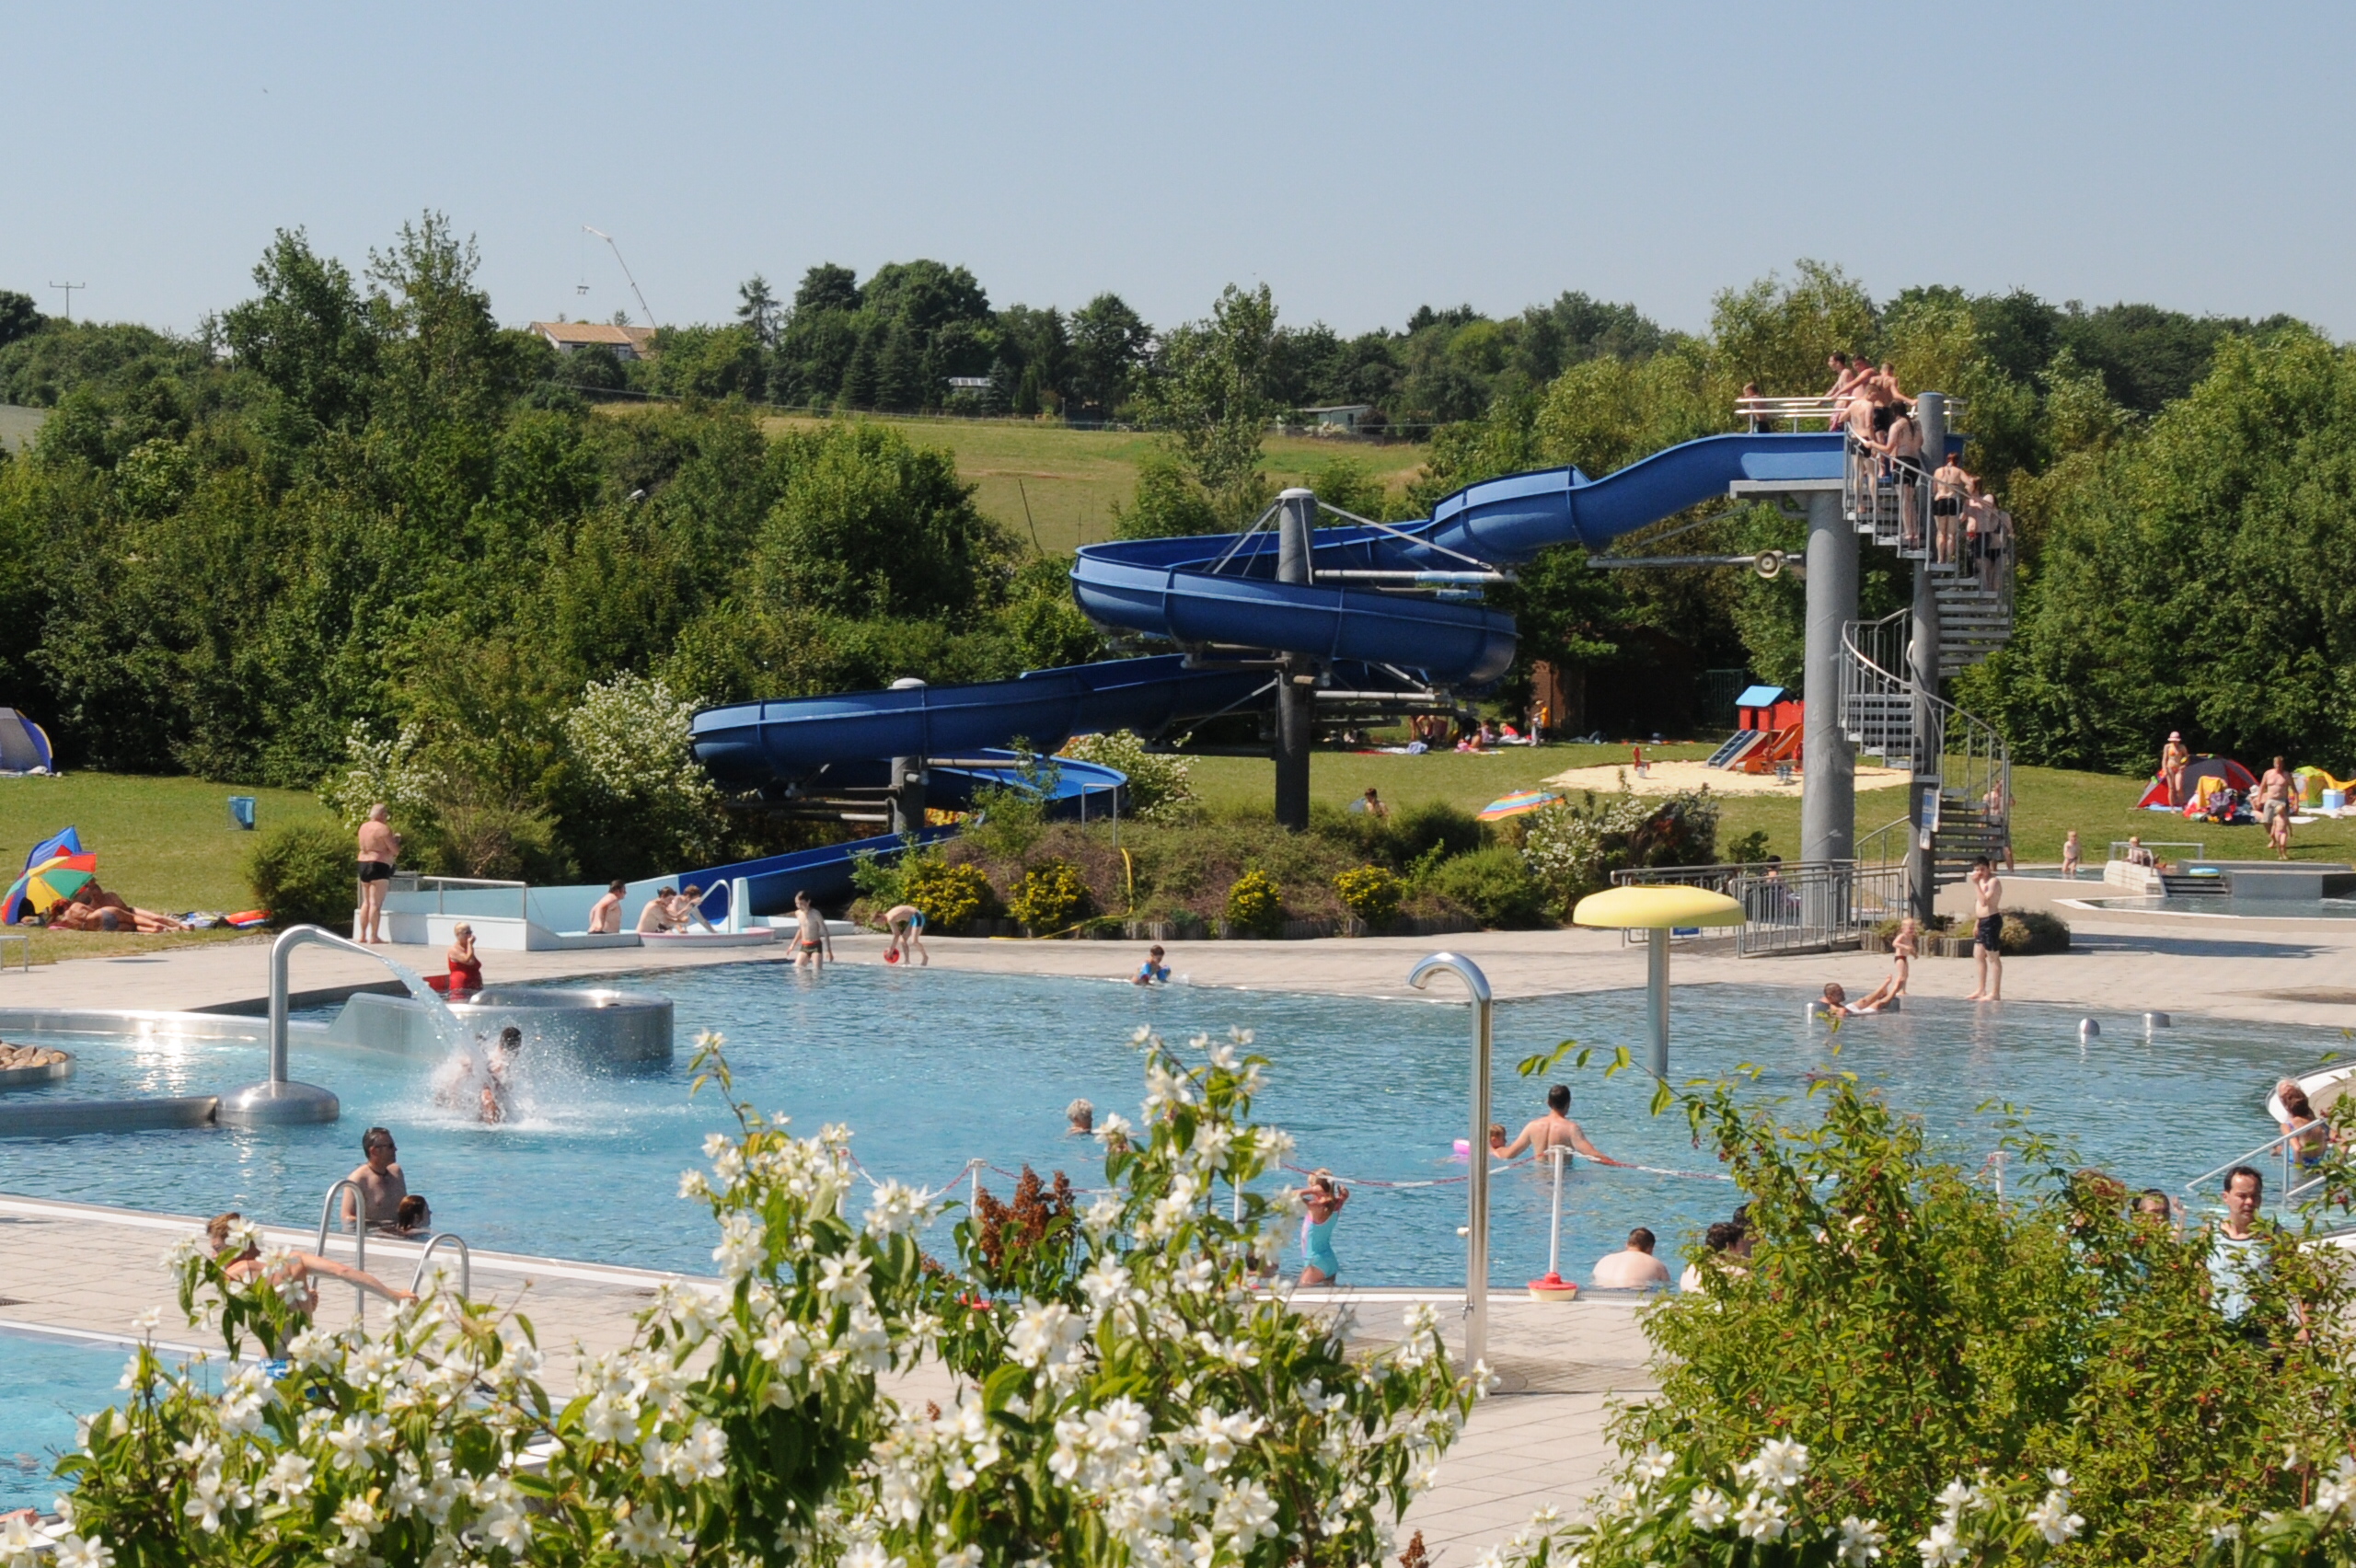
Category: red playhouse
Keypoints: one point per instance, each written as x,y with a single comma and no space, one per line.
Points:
1767,734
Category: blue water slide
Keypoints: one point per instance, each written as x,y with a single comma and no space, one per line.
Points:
1217,597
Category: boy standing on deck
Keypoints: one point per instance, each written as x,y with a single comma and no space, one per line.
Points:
1986,931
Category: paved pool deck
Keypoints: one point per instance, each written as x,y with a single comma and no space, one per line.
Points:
1539,1439
2283,971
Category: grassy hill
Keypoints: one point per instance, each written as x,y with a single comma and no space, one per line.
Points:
1071,478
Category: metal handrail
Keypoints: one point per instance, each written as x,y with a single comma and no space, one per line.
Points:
442,886
1792,907
466,1263
1874,848
1871,650
359,1241
2280,1143
2199,848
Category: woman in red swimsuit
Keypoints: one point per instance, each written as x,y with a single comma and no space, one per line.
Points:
466,969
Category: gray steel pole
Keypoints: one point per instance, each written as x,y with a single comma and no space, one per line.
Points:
1476,1185
1828,764
1296,519
1657,996
1923,653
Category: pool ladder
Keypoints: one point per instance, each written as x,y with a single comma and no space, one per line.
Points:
360,1244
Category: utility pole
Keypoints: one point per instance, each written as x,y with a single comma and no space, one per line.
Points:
643,305
69,289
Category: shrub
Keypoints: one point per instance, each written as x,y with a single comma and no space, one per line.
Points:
1256,904
1574,849
2030,931
1372,893
1955,1331
949,896
302,874
1049,897
1495,886
1750,850
1160,786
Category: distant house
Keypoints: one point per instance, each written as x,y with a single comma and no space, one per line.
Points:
1343,417
569,337
969,384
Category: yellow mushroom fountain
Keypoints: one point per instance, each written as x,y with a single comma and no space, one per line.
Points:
1657,909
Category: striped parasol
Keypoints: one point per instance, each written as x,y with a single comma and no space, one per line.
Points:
47,885
1521,800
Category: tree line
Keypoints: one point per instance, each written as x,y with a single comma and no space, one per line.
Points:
354,498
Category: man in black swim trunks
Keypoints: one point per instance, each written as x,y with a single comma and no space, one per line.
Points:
1986,931
379,848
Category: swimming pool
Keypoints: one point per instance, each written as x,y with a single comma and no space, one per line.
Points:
930,1068
51,1379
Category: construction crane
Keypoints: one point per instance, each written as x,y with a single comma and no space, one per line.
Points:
634,289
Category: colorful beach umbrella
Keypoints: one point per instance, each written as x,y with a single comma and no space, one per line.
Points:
66,843
1521,800
47,885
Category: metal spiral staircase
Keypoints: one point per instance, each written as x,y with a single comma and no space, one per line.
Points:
1885,712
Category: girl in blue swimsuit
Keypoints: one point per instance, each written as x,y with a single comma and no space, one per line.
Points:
1324,1199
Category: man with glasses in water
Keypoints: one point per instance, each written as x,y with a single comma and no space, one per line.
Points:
379,1178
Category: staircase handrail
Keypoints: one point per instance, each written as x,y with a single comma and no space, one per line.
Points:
1875,848
1868,648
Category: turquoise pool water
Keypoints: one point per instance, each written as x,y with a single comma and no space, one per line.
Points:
47,1382
930,1068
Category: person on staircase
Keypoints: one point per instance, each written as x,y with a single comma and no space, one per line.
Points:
1949,487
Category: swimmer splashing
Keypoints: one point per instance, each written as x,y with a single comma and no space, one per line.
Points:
483,1084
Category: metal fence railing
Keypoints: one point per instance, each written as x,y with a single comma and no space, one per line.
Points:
1796,907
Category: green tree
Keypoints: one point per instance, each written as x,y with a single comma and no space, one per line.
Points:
1109,343
1207,393
309,335
759,309
869,523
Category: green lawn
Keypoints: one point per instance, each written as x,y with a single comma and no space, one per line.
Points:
162,843
2049,800
1071,478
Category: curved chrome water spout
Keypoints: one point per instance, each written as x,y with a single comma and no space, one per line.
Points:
1476,1186
279,1099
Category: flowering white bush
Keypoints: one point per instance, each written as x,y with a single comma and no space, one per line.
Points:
1157,1407
374,770
1666,1508
1160,786
630,738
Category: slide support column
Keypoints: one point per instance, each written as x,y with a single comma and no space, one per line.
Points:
907,794
1923,655
1828,765
1296,702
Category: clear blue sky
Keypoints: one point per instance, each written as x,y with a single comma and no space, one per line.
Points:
1360,158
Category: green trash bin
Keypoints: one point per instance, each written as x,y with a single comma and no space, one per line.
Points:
241,812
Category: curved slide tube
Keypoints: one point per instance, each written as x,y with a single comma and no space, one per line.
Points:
1217,595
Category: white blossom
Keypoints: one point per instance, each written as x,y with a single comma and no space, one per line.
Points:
2052,1519
1762,1516
1943,1548
78,1552
895,1210
1862,1541
289,1478
1708,1509
1778,1466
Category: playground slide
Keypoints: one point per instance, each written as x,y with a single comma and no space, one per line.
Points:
1219,592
